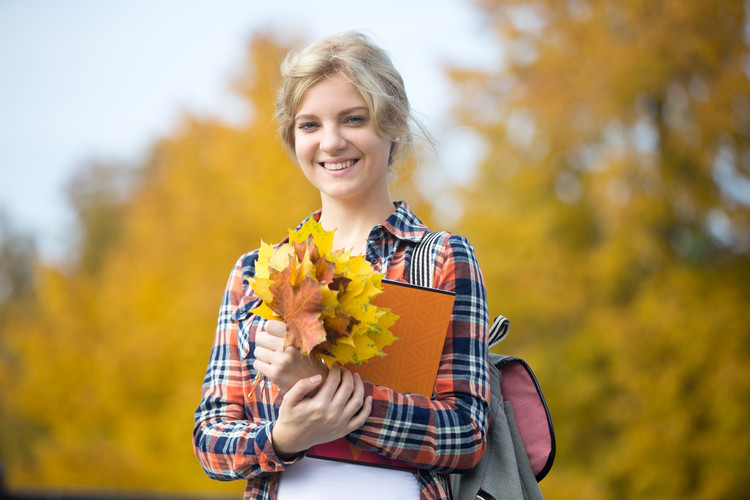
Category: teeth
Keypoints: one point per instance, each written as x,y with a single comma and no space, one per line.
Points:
338,166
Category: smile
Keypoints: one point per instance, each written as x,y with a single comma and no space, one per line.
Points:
338,166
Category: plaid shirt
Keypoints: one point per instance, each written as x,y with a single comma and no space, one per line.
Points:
442,435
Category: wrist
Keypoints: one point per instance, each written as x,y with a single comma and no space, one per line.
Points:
283,448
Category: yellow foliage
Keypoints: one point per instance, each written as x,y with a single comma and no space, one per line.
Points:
324,297
594,218
108,360
605,134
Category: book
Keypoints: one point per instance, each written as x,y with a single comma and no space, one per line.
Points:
410,364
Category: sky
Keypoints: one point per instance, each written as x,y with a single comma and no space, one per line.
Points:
86,80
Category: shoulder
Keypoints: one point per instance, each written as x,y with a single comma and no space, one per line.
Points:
243,270
246,263
457,261
451,257
244,266
453,245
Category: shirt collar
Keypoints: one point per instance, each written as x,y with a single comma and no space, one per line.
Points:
402,223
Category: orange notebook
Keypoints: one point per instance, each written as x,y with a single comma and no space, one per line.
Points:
410,364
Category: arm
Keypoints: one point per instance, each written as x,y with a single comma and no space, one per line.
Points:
337,408
229,442
235,438
446,433
309,414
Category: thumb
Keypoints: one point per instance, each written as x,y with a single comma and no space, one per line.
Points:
302,388
276,328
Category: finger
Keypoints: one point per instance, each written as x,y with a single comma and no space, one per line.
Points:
356,398
263,367
275,328
358,392
269,341
274,360
360,418
263,353
331,384
301,389
345,389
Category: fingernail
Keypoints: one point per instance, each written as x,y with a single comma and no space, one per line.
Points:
316,378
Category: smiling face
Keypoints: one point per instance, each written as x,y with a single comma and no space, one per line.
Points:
336,143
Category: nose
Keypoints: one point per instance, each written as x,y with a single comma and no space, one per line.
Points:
333,140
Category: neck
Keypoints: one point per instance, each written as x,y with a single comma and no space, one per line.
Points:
353,220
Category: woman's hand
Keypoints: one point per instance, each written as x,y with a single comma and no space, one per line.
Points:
284,367
338,408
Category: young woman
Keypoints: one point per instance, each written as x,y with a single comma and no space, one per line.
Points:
345,118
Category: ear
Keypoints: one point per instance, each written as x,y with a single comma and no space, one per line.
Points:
396,146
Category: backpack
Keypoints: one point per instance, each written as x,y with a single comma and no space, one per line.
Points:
520,437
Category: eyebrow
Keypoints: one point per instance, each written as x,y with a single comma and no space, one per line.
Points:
309,116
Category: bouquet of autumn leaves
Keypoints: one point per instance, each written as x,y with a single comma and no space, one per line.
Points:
323,296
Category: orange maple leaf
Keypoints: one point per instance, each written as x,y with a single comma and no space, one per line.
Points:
339,325
324,269
300,307
306,246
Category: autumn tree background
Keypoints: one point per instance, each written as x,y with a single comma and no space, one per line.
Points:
611,220
609,214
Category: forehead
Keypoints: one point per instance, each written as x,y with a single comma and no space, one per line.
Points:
330,95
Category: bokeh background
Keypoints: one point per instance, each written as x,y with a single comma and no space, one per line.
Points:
596,153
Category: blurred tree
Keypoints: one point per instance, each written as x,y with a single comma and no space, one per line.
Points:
17,284
17,257
610,217
107,360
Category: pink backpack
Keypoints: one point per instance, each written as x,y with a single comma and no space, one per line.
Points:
519,386
521,412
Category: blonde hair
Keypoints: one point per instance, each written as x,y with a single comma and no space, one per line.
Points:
353,56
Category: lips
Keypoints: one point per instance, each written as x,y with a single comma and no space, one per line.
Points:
338,165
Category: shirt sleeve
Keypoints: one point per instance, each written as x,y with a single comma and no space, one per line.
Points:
445,433
230,438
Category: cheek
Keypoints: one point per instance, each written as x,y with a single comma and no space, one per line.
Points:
302,150
381,147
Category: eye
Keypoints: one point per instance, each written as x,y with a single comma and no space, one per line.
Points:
307,126
355,120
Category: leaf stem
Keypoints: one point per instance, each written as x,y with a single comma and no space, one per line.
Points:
256,381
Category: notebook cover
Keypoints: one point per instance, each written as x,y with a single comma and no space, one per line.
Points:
410,364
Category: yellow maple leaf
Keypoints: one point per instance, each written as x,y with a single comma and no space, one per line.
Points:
263,263
324,297
265,312
282,257
323,239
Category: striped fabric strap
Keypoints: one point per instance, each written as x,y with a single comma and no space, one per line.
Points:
499,330
422,270
422,267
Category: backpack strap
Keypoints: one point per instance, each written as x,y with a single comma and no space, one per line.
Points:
422,272
515,388
499,330
422,264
